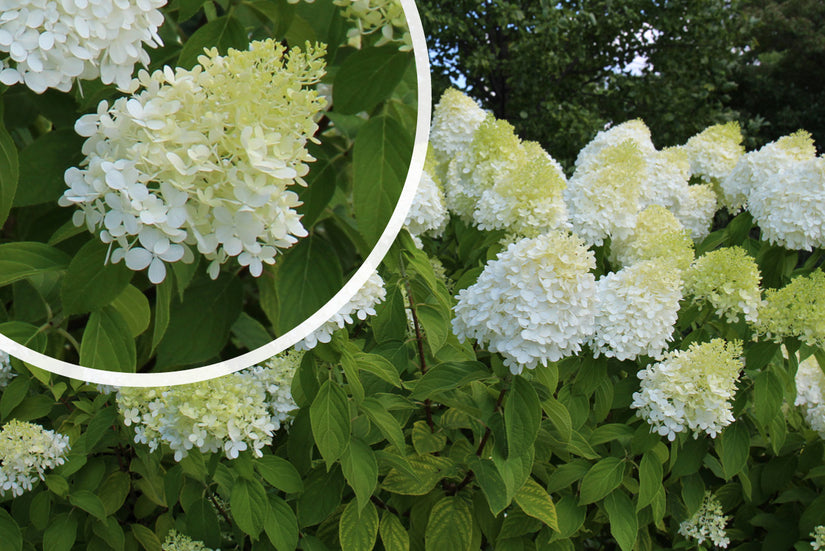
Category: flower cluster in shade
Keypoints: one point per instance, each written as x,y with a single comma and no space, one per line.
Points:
230,414
819,538
727,280
6,371
202,159
536,302
385,17
690,390
27,451
176,541
360,306
47,44
796,310
810,393
637,309
708,523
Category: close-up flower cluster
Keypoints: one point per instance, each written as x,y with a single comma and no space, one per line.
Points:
708,523
385,17
6,370
810,393
728,280
27,451
795,310
202,159
47,44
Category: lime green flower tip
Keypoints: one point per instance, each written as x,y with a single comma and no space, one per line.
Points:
714,152
658,234
727,279
796,310
180,542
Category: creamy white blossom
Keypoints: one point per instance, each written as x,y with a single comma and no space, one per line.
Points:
708,523
179,542
714,152
656,235
666,177
634,131
201,159
527,201
810,393
727,279
456,118
819,538
360,306
229,414
536,302
603,197
428,211
49,44
382,16
6,371
789,205
27,450
754,168
695,211
638,307
690,390
795,310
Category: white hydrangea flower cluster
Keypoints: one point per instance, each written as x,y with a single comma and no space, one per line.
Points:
728,279
656,235
202,158
810,393
456,118
527,201
231,414
361,306
638,307
50,44
795,310
603,194
755,167
428,211
26,452
708,523
696,210
6,371
714,152
635,131
690,389
176,541
819,538
665,183
535,303
371,16
789,206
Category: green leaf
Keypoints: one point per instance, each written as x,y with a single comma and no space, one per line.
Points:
321,183
134,307
383,68
281,526
89,502
113,491
491,483
61,533
536,502
111,532
91,283
163,300
25,259
9,174
733,447
436,324
559,418
249,505
393,535
100,424
279,13
358,531
202,522
571,516
26,334
361,470
386,423
379,366
250,332
57,484
12,395
428,469
146,538
623,522
10,533
450,526
330,419
107,343
222,33
381,158
522,415
650,479
309,275
602,478
425,440
767,397
448,376
42,165
356,388
279,473
199,326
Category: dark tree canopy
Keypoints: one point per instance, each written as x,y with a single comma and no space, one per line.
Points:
559,70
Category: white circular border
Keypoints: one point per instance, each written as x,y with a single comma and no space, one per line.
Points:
99,376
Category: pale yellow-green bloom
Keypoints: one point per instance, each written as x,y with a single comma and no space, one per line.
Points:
371,16
819,538
696,210
727,279
456,118
656,235
796,310
27,450
179,542
708,523
714,152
